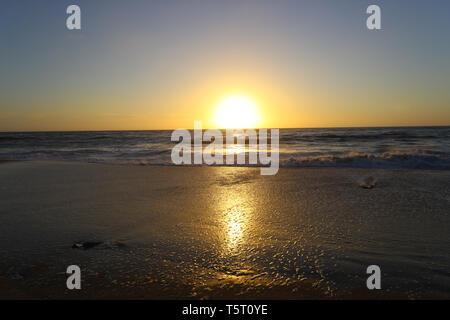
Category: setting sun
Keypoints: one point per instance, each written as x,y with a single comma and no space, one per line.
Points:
237,112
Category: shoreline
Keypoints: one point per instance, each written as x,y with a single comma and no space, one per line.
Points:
245,166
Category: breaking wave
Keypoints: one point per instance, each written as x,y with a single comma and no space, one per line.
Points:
388,160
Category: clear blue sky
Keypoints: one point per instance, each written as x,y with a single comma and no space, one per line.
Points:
161,64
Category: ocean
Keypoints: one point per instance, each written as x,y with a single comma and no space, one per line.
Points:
384,147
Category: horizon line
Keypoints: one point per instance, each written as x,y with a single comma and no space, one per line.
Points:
283,128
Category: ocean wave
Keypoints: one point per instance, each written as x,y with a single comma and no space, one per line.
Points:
364,134
388,160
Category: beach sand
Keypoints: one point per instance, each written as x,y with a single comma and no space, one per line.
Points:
222,232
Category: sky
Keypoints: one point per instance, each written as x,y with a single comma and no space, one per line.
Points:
163,64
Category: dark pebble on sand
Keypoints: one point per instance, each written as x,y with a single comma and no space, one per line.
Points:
86,245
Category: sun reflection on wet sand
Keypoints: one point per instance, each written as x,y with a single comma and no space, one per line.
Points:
236,214
235,222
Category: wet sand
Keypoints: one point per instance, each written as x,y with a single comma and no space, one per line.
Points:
216,232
